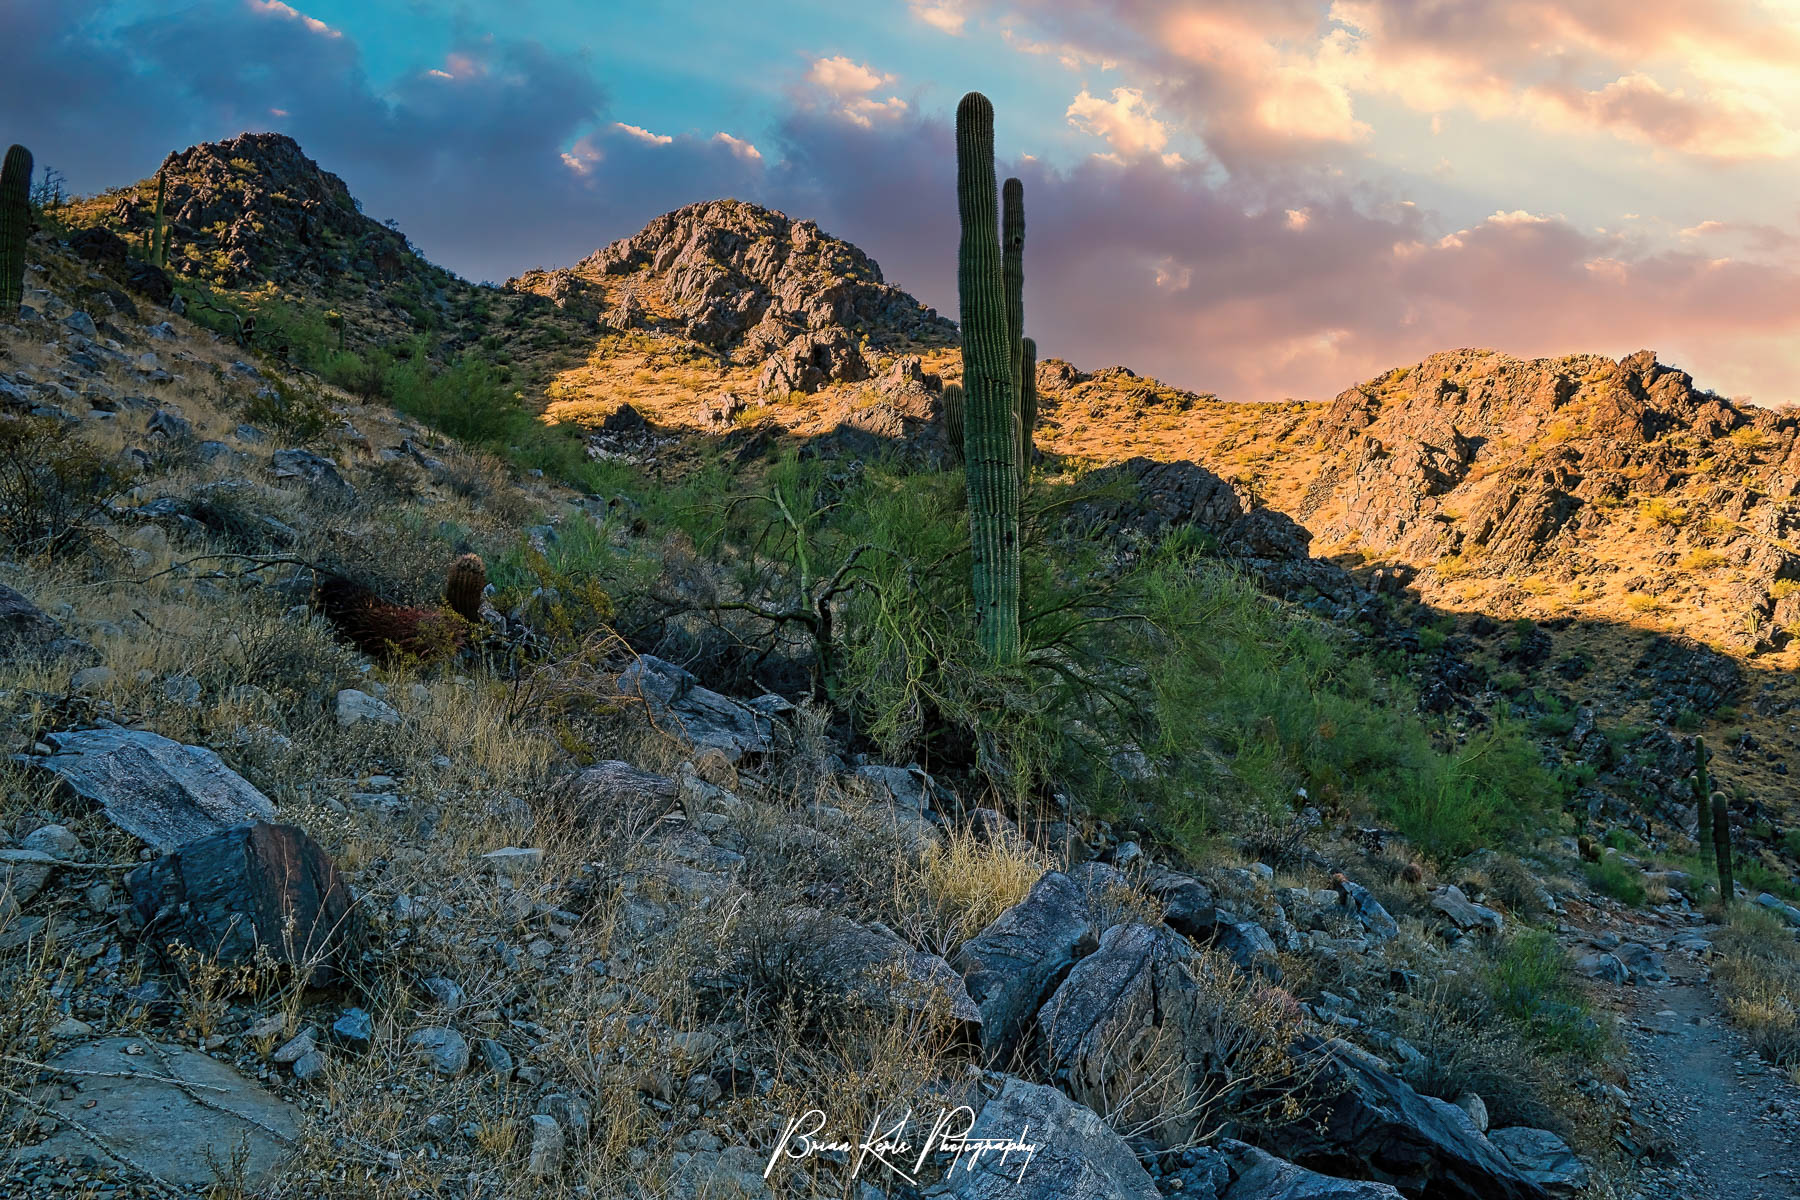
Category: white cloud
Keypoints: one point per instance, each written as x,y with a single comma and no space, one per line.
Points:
852,84
643,135
738,146
944,15
276,8
1125,122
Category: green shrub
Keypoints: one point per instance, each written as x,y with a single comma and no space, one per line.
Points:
1617,878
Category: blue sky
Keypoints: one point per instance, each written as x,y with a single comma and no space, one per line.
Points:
1262,198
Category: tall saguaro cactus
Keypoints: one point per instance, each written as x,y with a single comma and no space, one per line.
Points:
990,386
15,228
1012,263
1028,401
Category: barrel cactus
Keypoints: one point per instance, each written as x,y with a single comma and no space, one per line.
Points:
15,228
990,386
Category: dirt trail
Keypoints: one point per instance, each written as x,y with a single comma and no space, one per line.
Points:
1732,1124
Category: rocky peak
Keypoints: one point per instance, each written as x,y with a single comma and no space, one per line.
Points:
255,207
751,283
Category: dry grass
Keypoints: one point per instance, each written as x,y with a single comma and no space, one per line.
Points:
1757,975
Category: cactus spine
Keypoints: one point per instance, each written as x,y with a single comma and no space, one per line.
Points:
1028,401
159,246
991,445
1721,830
15,228
953,420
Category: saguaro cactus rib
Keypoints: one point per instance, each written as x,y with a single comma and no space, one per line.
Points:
15,228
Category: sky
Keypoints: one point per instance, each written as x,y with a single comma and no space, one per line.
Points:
1260,198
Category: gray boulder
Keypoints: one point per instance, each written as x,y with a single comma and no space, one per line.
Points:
1463,912
840,957
1010,967
140,1107
1361,1121
1258,1175
700,718
1071,1153
318,473
24,628
1362,904
159,791
1130,1020
1542,1157
1779,907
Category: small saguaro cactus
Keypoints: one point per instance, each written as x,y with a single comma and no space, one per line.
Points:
1721,836
159,246
953,420
15,228
1702,793
990,386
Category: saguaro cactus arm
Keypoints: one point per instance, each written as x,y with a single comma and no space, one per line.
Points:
1028,403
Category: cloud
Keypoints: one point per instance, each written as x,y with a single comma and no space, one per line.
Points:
738,146
643,135
851,84
276,8
1124,122
946,16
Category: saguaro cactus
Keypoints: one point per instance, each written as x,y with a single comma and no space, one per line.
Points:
991,444
953,420
15,228
1012,260
1721,831
159,247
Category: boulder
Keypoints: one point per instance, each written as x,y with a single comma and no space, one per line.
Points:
168,1111
251,886
1067,1153
1779,907
839,957
157,790
24,628
612,785
1368,910
1361,1121
1259,1175
1463,912
353,707
1542,1157
700,718
1130,1020
1012,965
99,244
152,283
318,473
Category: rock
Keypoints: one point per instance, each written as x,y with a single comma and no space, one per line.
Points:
1604,967
353,707
1645,965
319,473
700,718
607,788
295,1048
495,1058
732,1173
1779,907
1259,1175
546,1157
1140,989
159,791
1074,1155
445,993
252,886
1464,913
840,957
625,419
173,426
24,628
1374,918
139,1116
23,874
1477,1109
1542,1157
1363,1122
514,862
310,1065
1011,966
810,361
354,1030
91,680
152,283
444,1051
1187,903
99,244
